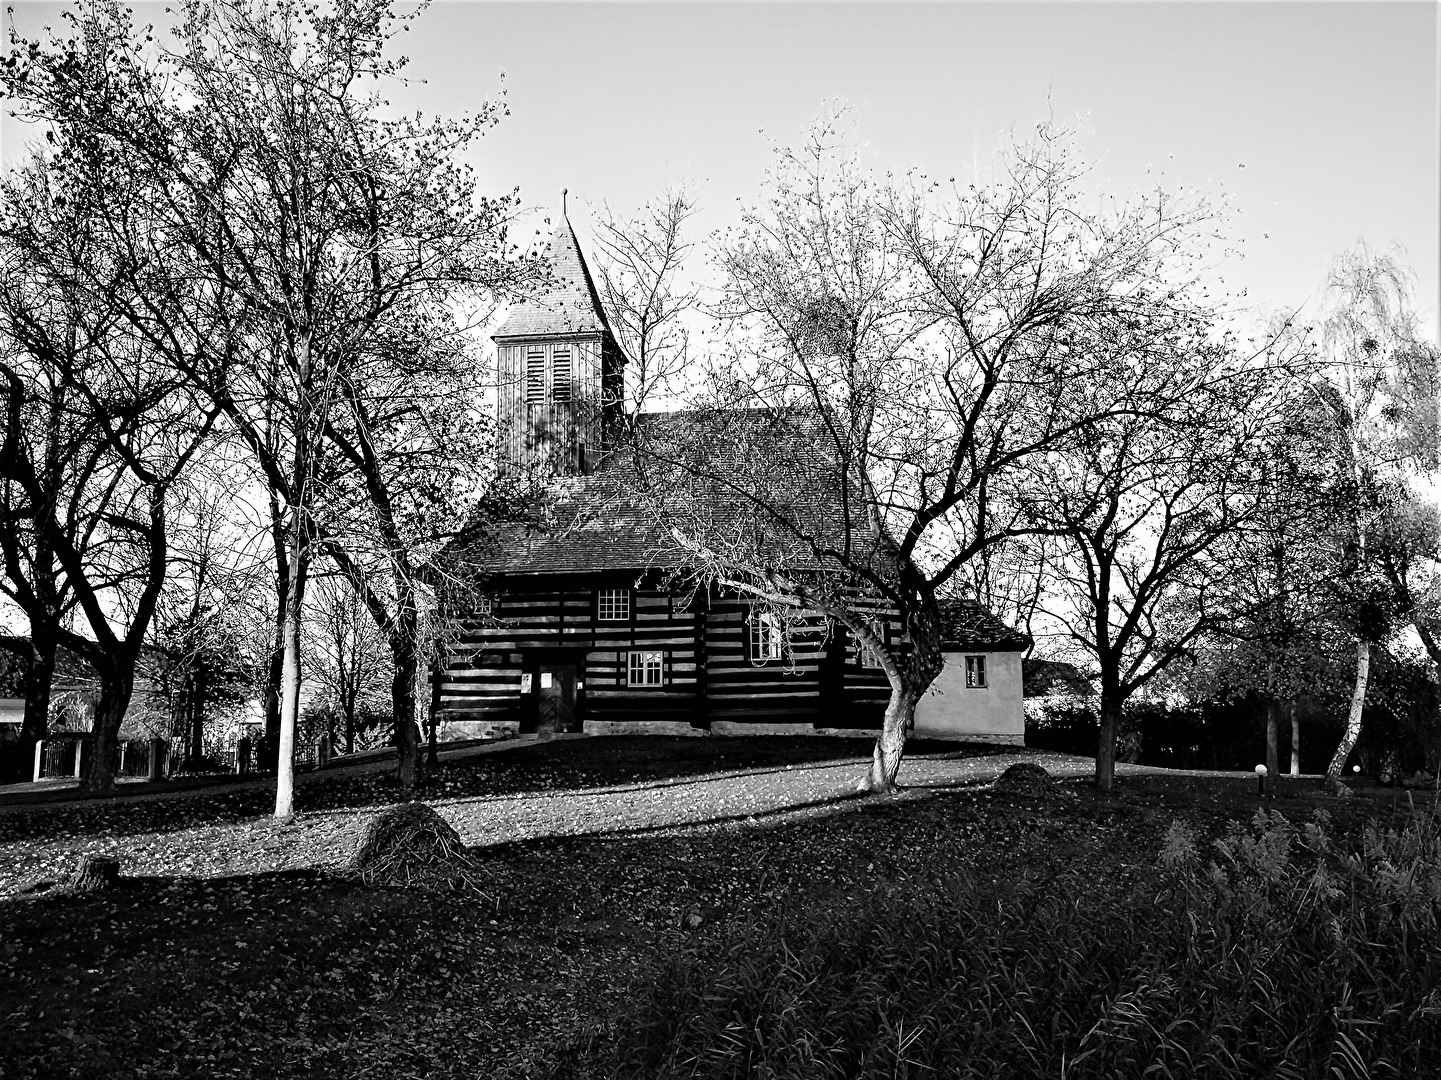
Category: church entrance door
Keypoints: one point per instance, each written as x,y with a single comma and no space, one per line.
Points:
555,698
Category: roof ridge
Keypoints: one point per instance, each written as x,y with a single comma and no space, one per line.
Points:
585,272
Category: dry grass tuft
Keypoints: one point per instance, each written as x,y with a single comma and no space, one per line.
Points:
411,846
1028,778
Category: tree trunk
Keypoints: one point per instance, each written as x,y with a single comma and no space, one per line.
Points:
1273,726
1353,720
39,677
889,748
402,702
1106,743
350,728
1295,741
432,713
290,679
197,712
95,873
297,550
117,683
275,672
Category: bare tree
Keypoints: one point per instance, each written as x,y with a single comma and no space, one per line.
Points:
1153,503
102,515
901,350
346,656
297,232
643,262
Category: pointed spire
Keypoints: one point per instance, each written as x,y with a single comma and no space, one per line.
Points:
571,305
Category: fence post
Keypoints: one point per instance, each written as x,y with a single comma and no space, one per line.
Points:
157,749
121,769
79,751
39,759
322,752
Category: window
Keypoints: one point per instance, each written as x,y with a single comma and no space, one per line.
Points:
868,656
613,605
646,669
767,636
535,374
976,672
560,373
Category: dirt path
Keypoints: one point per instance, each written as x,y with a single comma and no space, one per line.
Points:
327,838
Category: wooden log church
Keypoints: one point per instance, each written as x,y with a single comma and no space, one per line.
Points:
588,629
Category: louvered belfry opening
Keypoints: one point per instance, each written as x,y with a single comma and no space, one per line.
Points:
560,371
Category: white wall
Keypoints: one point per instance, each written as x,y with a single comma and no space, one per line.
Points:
952,710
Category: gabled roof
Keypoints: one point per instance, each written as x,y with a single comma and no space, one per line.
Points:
72,672
969,624
603,522
570,306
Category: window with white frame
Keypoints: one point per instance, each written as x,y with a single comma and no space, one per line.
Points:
767,636
534,374
646,669
560,373
976,672
613,605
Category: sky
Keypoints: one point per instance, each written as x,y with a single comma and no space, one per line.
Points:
1318,119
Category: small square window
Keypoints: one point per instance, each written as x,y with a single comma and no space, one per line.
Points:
976,672
646,669
767,636
613,605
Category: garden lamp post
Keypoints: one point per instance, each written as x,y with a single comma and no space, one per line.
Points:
1260,779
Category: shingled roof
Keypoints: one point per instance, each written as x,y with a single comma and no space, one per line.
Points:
571,306
969,624
602,521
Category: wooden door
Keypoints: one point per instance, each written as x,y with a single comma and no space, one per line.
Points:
555,698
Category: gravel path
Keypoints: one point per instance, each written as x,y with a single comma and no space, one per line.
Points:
327,838
720,800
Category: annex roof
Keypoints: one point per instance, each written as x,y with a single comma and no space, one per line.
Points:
570,306
969,624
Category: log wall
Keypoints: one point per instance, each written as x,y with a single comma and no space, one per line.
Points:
709,672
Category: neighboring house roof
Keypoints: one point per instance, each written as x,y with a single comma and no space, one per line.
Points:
969,624
72,673
602,521
1043,678
570,305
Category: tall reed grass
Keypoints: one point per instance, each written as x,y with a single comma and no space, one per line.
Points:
1278,951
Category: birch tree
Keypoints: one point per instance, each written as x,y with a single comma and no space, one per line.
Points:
1379,391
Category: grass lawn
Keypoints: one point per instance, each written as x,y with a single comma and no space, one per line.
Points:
232,949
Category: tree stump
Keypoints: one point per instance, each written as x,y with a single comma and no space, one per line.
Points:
96,873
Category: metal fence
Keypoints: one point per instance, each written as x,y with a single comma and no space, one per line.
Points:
132,758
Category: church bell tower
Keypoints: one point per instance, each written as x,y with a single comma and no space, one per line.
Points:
561,373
